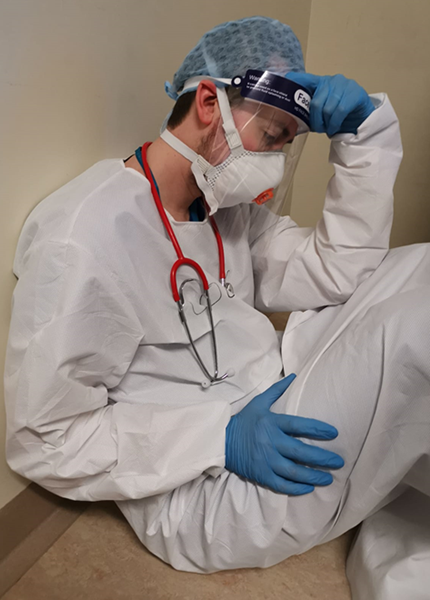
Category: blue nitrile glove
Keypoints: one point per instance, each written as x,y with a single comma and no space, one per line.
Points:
338,105
261,446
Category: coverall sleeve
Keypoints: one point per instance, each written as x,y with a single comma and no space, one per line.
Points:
72,337
303,268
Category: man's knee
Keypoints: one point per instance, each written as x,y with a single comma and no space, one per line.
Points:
405,314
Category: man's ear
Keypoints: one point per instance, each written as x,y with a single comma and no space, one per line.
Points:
207,102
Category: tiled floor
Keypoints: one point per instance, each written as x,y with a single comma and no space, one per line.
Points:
99,558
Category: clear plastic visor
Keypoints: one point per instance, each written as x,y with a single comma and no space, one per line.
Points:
263,129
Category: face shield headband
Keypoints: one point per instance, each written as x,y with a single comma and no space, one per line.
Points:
267,88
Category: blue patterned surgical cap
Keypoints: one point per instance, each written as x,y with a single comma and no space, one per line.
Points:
232,48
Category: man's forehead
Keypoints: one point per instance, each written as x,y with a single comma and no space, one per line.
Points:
276,116
270,113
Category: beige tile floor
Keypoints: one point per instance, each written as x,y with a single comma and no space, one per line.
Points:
99,558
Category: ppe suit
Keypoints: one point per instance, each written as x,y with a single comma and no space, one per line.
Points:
104,399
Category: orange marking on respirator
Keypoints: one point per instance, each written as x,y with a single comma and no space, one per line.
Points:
264,197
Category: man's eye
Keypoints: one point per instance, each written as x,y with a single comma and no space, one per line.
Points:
270,139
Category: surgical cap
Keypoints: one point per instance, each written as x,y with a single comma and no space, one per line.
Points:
233,48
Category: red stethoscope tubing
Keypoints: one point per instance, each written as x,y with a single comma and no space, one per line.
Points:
182,260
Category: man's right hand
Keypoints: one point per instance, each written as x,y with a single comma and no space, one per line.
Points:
338,105
261,446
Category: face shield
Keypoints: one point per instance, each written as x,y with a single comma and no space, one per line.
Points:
283,116
271,114
252,155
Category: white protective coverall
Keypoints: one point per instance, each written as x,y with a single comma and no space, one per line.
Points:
104,396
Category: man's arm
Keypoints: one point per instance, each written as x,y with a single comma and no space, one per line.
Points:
303,268
72,338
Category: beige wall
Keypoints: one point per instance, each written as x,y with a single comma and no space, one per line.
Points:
385,46
82,80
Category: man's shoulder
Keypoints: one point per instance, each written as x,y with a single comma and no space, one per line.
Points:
85,211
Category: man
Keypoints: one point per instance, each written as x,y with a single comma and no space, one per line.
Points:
181,417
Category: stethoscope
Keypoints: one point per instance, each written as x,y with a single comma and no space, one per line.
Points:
178,295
